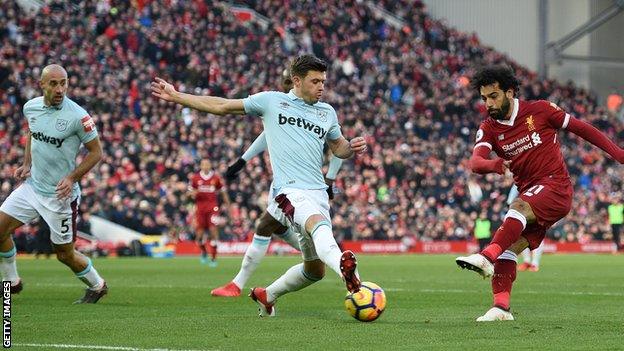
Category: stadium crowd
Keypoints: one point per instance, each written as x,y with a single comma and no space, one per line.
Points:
406,89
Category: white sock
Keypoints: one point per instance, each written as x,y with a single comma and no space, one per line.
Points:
8,268
526,256
291,238
294,279
254,254
91,277
508,255
537,254
326,246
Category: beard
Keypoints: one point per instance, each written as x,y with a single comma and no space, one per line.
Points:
500,113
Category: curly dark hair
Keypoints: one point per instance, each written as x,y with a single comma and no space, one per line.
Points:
305,63
501,74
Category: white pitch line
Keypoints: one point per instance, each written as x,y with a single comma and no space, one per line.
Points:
136,286
451,291
96,347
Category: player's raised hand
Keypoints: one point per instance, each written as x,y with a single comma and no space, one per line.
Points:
330,188
22,172
234,169
64,188
506,165
163,90
358,145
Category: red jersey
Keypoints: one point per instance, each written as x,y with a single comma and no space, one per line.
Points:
529,140
207,187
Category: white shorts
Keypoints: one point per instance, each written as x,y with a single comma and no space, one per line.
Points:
292,208
25,205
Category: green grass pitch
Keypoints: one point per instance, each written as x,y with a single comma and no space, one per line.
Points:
576,302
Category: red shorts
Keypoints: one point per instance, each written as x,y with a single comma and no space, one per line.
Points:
550,200
203,217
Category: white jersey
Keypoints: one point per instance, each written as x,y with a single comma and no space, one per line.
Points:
295,133
57,132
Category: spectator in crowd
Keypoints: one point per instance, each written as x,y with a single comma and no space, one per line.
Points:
614,102
406,88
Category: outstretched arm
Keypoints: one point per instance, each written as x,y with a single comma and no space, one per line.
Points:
211,104
596,137
255,148
481,163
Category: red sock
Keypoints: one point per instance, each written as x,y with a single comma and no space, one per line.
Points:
505,236
202,248
502,281
213,249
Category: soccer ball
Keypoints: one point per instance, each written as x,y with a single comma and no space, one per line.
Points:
367,304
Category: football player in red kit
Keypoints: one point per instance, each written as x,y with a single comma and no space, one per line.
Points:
205,186
523,135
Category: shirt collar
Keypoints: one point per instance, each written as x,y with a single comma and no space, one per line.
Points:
514,113
206,176
293,97
57,107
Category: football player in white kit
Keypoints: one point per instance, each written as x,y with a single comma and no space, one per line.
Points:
266,225
296,125
57,128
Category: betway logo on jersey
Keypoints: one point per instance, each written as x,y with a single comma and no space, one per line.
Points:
522,144
302,123
48,139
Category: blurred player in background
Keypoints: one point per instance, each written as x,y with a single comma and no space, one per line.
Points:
531,259
296,125
523,134
483,229
267,225
616,219
205,186
57,128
